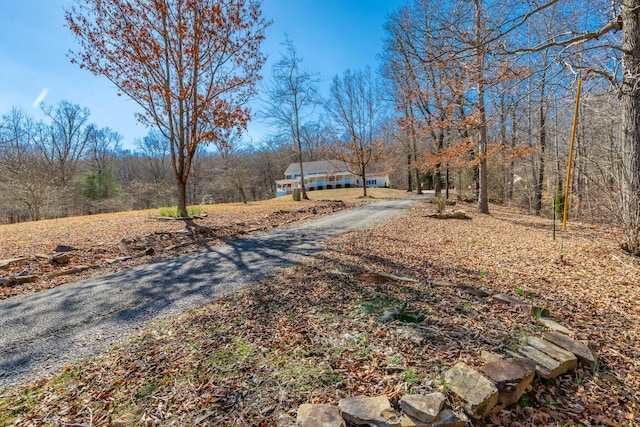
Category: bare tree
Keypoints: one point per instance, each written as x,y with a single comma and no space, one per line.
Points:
291,98
62,143
25,180
192,65
353,106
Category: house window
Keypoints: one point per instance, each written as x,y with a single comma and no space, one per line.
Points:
371,182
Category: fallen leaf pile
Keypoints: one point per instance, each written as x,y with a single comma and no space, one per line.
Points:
317,332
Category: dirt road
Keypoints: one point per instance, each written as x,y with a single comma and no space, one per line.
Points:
42,332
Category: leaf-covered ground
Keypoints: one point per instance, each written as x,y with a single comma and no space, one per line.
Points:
104,241
313,333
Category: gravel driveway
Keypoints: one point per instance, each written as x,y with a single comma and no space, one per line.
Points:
41,332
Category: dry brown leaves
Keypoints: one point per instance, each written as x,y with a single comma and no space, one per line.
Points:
313,333
101,239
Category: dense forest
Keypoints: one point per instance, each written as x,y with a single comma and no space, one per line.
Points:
480,99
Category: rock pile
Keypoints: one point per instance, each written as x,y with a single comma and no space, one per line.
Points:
499,383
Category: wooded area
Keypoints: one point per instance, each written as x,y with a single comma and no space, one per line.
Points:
477,97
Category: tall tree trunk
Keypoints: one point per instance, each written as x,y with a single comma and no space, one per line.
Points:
542,143
483,196
512,163
503,143
364,180
437,176
182,198
409,172
630,104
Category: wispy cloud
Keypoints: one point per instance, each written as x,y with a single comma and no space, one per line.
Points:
40,98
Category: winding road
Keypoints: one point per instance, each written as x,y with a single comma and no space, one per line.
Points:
42,332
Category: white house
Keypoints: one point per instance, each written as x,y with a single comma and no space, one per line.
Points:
324,175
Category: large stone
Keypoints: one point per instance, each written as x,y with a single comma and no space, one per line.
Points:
478,393
368,411
423,407
60,258
19,280
555,326
567,358
511,377
550,359
448,418
489,357
5,263
319,416
64,248
582,351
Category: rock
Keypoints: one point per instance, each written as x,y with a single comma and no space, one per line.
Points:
478,393
550,359
582,351
368,411
448,418
558,353
473,291
26,272
148,251
511,377
555,326
5,263
4,282
489,357
60,258
407,421
19,280
64,248
285,420
319,416
422,407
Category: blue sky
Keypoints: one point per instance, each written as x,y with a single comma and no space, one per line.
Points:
330,35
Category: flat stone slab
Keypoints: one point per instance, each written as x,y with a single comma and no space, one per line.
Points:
511,377
422,407
558,353
555,326
5,263
369,411
479,393
550,359
319,416
489,357
446,418
582,351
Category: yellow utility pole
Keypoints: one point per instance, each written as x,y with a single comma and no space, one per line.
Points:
573,139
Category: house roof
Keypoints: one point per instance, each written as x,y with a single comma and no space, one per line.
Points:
320,166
